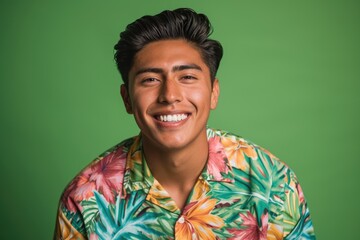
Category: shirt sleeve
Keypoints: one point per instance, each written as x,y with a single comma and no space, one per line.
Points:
64,229
296,220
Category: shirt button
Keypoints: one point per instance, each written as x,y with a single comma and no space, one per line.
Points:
181,219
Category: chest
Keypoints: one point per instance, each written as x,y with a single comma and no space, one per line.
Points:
207,215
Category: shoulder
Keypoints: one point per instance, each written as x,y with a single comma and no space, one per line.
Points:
243,154
254,164
104,174
269,182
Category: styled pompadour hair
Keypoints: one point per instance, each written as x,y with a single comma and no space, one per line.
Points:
182,23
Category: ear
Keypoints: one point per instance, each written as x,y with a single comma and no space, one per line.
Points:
126,99
215,94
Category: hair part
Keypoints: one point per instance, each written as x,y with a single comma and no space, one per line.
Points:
182,23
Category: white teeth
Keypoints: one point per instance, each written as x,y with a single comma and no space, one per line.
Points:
172,118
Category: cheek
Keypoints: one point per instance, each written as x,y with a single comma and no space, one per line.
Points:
139,110
141,103
200,98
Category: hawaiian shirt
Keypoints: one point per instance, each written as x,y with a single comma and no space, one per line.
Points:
244,192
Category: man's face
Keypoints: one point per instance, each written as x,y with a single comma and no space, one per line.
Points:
170,94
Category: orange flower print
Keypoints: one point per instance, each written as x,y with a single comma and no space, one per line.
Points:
197,222
64,229
237,149
251,231
275,232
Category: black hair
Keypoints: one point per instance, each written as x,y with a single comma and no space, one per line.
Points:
182,23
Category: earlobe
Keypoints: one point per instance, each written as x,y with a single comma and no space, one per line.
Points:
215,94
126,99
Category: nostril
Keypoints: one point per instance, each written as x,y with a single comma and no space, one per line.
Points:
170,93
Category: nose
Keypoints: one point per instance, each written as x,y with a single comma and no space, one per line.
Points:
170,92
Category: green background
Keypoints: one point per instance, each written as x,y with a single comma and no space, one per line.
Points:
289,82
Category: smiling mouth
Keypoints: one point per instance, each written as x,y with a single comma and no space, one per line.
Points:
172,117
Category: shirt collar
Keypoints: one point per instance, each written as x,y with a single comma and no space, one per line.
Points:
218,168
138,175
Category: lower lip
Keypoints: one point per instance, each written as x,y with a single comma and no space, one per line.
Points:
171,124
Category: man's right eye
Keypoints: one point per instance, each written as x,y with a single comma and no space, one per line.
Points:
149,80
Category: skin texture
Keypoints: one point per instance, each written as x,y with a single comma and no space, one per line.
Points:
170,77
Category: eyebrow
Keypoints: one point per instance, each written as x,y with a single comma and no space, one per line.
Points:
185,67
174,69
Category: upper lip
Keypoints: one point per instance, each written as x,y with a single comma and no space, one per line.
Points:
170,113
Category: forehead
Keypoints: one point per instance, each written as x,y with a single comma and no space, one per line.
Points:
167,53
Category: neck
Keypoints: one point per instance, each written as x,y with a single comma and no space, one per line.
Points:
182,163
177,170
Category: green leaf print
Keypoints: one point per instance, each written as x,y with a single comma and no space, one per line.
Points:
90,213
75,219
126,220
298,231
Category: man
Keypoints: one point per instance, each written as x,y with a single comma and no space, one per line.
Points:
179,179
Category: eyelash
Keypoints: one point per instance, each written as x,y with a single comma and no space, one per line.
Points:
149,80
153,79
188,77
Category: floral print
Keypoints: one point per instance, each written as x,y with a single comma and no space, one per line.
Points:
197,215
237,150
216,164
244,192
251,230
104,175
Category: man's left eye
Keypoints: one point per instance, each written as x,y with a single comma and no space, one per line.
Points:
187,77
